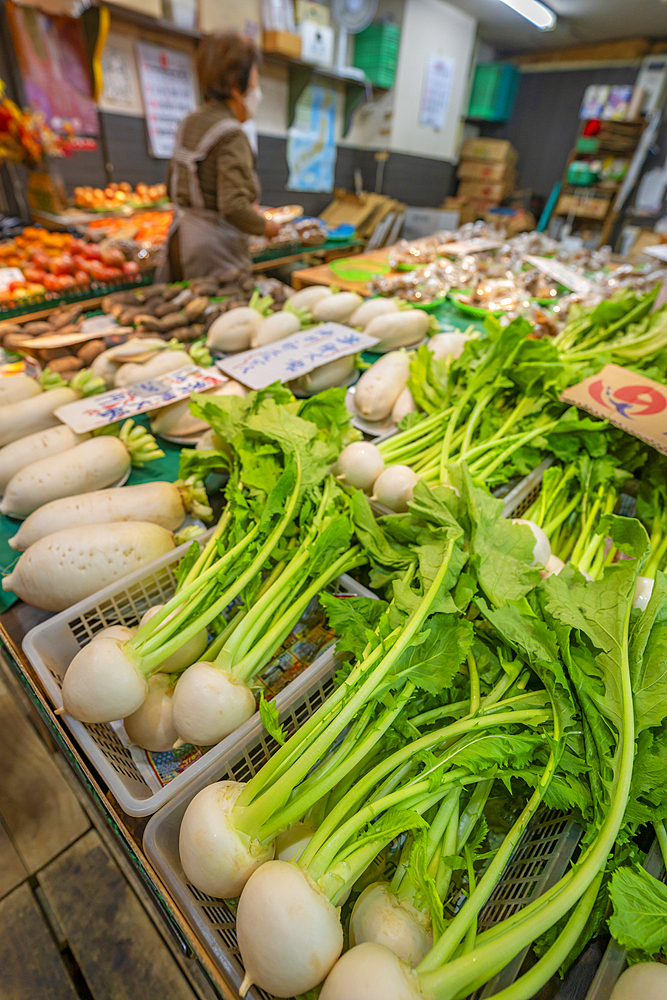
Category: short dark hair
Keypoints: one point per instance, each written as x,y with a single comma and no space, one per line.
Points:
224,62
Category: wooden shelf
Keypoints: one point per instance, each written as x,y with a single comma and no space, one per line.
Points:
146,21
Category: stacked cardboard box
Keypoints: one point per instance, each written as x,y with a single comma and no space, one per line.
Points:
487,174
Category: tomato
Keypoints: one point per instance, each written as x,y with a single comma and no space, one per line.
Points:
130,268
77,246
40,258
92,251
51,282
35,274
82,278
113,257
62,265
66,281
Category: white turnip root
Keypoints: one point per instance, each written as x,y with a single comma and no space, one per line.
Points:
380,386
394,487
379,916
307,298
151,726
371,308
25,451
16,387
289,934
552,567
448,345
92,465
542,548
643,591
275,327
336,308
371,972
160,364
360,464
325,377
291,843
404,404
399,329
121,632
158,502
233,330
209,704
69,565
177,419
644,981
102,684
216,858
29,416
187,654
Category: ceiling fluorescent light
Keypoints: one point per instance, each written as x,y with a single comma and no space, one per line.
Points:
535,12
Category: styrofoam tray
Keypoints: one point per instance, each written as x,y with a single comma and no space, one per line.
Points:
540,859
51,646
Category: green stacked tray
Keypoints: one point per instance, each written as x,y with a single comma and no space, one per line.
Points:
376,52
494,91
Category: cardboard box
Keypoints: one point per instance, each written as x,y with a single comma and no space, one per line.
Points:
426,221
481,191
483,170
317,12
582,208
283,43
497,150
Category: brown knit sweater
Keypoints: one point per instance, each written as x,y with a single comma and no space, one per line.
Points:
226,174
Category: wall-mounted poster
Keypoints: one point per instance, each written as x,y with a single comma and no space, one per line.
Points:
168,86
121,93
53,65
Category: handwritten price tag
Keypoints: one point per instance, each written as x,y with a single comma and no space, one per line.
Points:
559,272
8,275
462,249
294,356
119,404
632,402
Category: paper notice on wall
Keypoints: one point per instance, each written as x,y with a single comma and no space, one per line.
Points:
121,92
311,141
436,90
168,86
294,356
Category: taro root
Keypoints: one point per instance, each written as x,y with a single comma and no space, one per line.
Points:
37,328
172,322
65,318
147,322
89,351
68,363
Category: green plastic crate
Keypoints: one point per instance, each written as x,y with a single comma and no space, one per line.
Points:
494,92
376,52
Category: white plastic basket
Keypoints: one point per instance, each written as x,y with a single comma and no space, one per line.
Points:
540,859
51,646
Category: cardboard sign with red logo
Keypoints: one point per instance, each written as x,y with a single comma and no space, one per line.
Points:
632,402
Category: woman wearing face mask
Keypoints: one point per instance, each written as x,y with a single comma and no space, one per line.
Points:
212,181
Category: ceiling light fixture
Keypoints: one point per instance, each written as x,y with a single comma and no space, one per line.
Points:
535,12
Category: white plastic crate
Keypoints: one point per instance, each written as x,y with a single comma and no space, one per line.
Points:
51,646
540,859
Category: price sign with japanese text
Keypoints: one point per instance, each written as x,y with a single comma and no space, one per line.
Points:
294,356
632,402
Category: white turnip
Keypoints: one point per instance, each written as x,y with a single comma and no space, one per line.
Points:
643,591
371,308
187,654
177,419
291,843
360,464
394,487
448,345
151,725
325,377
209,704
307,298
552,567
542,548
644,981
216,858
379,916
101,684
380,386
371,972
233,330
275,327
336,308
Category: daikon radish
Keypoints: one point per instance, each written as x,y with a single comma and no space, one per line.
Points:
446,345
276,327
336,308
176,419
325,377
16,387
371,308
106,364
160,503
29,416
25,451
380,386
70,565
233,330
399,329
307,298
163,362
404,404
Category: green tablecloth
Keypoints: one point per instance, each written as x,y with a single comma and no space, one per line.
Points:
448,314
164,469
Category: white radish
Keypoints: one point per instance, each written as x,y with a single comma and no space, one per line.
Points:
289,934
25,451
232,331
275,327
70,565
107,363
16,387
216,858
209,704
176,419
92,465
157,502
371,308
325,377
360,464
404,404
380,386
291,843
400,329
372,972
209,440
307,298
102,684
163,362
29,416
448,345
151,726
379,916
542,548
643,591
644,981
394,487
187,654
336,308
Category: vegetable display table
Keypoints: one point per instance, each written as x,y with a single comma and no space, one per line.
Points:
323,274
289,253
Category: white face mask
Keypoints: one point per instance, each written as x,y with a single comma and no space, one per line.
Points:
252,101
